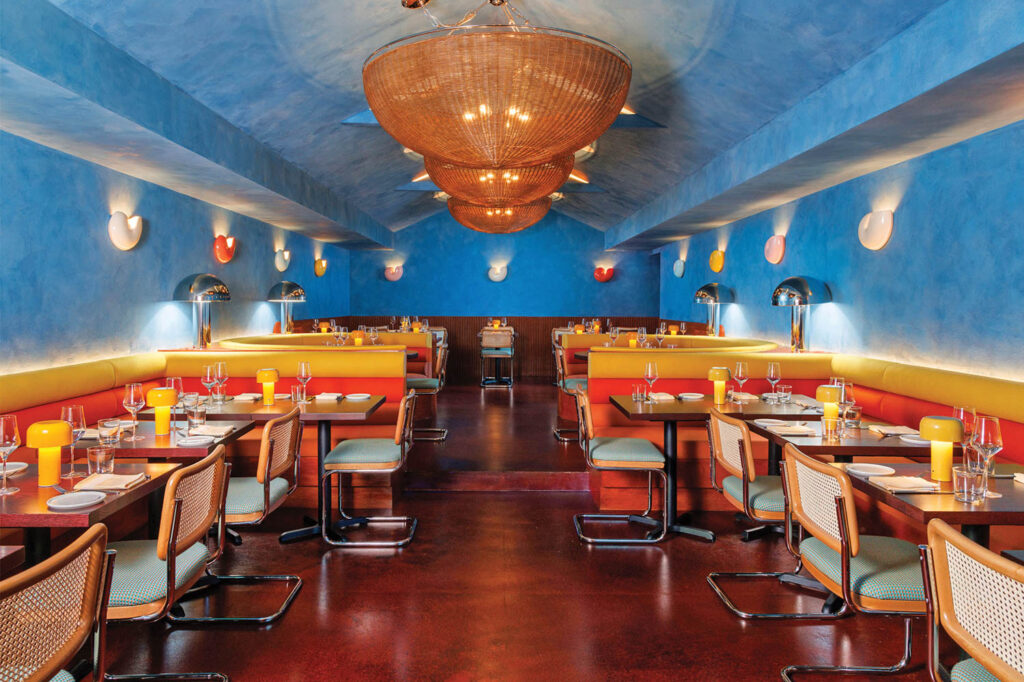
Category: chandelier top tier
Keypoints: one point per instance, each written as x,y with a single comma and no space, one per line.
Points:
496,96
500,187
498,219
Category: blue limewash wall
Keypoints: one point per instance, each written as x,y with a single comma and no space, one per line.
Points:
550,273
948,289
67,294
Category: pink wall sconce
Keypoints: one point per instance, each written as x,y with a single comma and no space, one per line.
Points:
393,273
775,249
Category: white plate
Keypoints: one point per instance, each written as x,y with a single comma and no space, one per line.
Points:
15,467
691,396
769,422
196,441
79,500
357,396
870,470
914,440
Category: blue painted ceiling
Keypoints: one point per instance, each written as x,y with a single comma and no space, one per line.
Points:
713,72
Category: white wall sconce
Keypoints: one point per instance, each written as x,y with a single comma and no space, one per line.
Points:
497,273
875,229
393,273
679,267
775,249
282,259
124,232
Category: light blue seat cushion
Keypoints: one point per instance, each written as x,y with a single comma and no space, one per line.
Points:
19,672
423,383
63,676
365,451
140,577
638,450
765,492
245,494
496,352
969,670
885,568
572,383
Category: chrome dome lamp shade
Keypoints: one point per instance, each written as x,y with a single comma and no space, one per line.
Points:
200,290
797,293
713,295
286,293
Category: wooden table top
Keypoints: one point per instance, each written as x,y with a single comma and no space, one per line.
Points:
27,507
1005,510
698,410
317,410
861,442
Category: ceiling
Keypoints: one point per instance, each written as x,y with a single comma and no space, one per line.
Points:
712,72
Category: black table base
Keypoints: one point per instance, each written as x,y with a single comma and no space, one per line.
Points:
677,524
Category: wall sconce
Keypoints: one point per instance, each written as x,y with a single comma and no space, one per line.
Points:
679,267
713,295
798,293
775,249
200,290
717,261
393,273
282,259
603,274
286,293
224,248
875,229
320,267
497,273
124,232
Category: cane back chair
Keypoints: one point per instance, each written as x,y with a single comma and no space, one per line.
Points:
431,386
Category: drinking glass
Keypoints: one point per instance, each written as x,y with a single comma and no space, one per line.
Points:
195,412
641,336
424,325
394,321
343,335
613,332
304,374
504,322
220,372
740,375
968,483
9,442
208,378
660,334
588,326
785,392
374,336
101,459
108,431
829,429
134,400
966,417
851,416
316,325
75,416
651,374
988,441
836,381
298,394
846,399
175,383
774,376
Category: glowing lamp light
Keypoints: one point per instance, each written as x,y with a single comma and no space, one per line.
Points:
49,437
631,339
597,326
393,273
579,329
496,323
829,397
224,248
717,261
357,337
942,432
673,330
497,273
124,232
875,229
282,259
162,400
416,326
775,249
603,274
320,267
267,378
719,375
679,267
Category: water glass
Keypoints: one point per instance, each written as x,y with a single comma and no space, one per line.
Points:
784,392
101,459
9,441
220,372
109,431
969,483
298,394
196,415
830,429
638,393
851,416
133,401
75,416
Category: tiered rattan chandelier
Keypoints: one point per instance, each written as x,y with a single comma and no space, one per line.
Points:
498,219
497,102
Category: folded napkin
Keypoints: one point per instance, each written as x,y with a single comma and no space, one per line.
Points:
90,434
212,430
330,396
662,397
804,402
903,483
883,430
248,396
793,430
110,481
1019,478
739,395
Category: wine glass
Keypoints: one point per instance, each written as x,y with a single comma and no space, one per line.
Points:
641,337
987,441
588,326
220,372
75,416
504,322
774,376
374,336
613,332
175,383
343,335
134,400
9,442
304,374
208,379
316,325
660,334
740,375
651,375
424,325
394,321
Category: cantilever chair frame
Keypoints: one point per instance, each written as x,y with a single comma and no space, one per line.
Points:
586,433
938,588
403,438
496,381
434,434
563,434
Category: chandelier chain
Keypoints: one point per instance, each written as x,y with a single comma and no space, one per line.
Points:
510,12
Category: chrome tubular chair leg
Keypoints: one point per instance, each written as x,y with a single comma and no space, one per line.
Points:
170,676
430,434
295,580
662,526
713,579
565,435
326,524
233,536
788,671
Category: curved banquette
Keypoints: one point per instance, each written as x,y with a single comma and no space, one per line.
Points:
421,343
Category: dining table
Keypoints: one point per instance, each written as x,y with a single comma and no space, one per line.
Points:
171,446
27,509
323,413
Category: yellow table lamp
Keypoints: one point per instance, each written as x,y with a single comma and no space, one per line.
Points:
942,432
416,326
495,323
719,375
829,397
597,326
579,329
162,400
357,337
673,330
267,377
49,437
632,339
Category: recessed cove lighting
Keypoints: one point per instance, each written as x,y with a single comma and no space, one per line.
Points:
875,230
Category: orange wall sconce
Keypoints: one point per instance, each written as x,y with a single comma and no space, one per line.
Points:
775,249
603,274
717,261
393,273
224,248
124,232
320,267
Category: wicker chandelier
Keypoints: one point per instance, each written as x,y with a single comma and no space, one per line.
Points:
500,187
498,219
496,96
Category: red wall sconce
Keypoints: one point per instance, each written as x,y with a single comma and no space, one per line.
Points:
224,248
603,274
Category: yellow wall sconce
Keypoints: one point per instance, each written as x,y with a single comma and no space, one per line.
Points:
282,259
717,261
124,232
775,249
320,267
942,432
49,437
875,230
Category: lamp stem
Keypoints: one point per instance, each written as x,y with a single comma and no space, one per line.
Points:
287,325
797,342
201,323
713,319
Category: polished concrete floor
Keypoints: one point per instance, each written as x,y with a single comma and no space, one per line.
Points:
496,586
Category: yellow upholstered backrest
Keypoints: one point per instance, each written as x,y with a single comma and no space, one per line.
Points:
613,363
681,343
369,363
286,341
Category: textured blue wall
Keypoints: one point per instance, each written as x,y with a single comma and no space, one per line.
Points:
68,294
550,272
948,289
